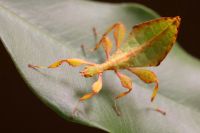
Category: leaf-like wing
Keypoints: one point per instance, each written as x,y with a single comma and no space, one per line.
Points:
151,41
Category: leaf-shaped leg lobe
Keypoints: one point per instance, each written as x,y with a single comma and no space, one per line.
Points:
126,83
119,34
107,45
73,62
96,87
148,77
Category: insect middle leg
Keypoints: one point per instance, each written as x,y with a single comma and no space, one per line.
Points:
126,83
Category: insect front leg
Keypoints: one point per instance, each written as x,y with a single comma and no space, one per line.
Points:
96,87
107,45
73,62
119,34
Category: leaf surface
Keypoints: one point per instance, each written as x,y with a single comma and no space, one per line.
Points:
41,32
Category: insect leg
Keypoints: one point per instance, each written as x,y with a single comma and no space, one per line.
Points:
126,83
95,41
95,34
73,62
96,87
107,45
83,50
148,77
119,34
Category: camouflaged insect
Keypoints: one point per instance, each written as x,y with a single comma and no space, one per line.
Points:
147,45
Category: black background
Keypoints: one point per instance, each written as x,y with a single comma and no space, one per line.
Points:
22,112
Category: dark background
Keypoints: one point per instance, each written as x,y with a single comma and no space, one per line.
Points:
22,112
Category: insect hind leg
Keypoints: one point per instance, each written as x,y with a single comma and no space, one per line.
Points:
148,77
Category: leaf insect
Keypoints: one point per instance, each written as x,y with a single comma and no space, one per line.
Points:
147,45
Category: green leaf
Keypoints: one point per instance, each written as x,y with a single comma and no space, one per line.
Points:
41,32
